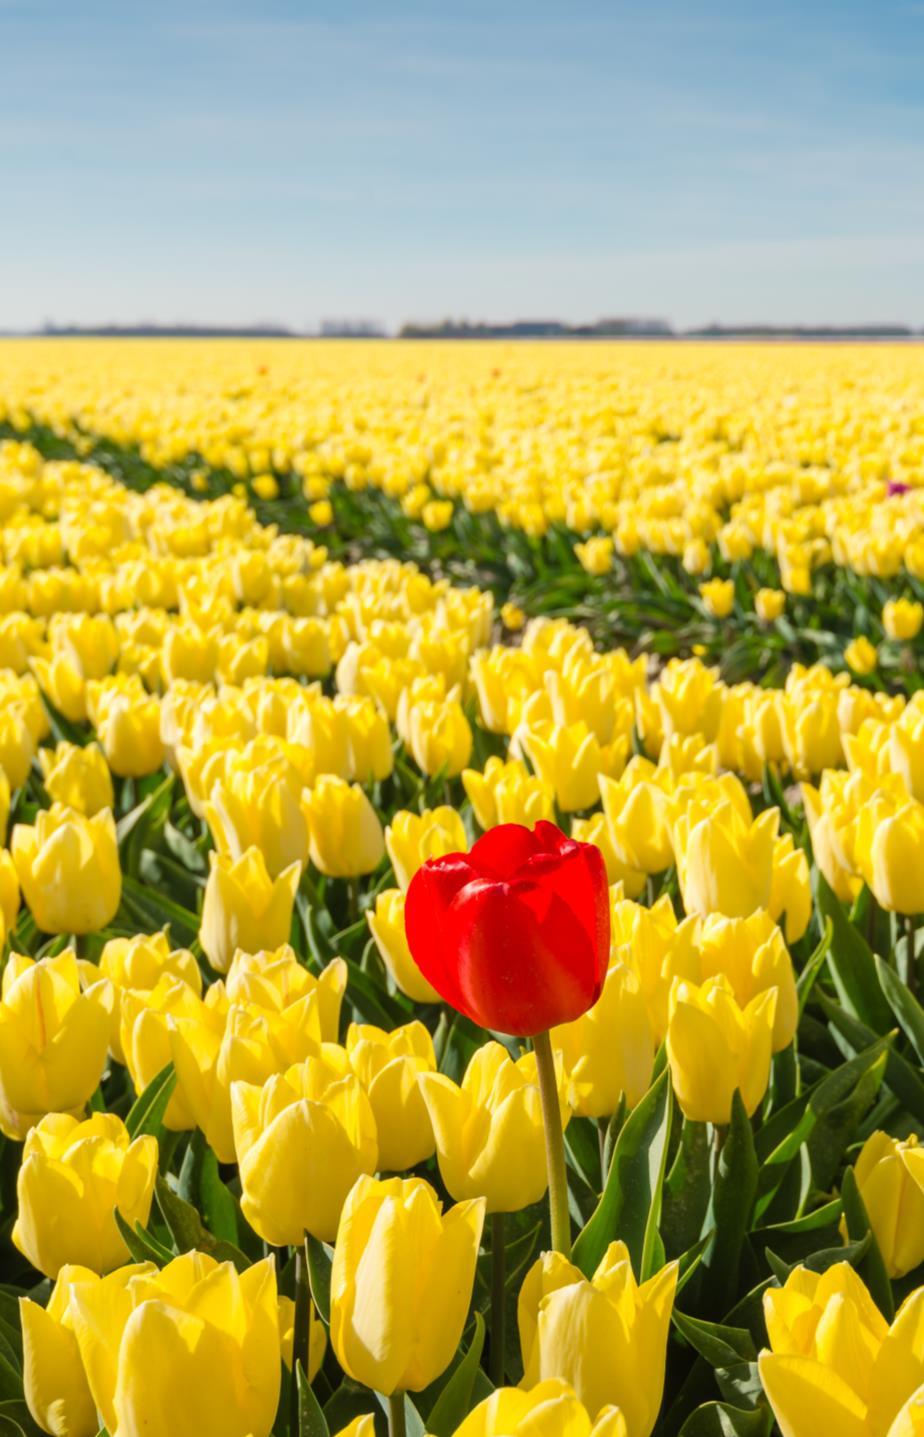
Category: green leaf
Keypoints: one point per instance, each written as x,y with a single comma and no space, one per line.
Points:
900,1077
734,1188
320,1259
806,979
839,1102
311,1419
633,1185
719,1344
454,1402
718,1419
188,1231
850,961
907,1010
146,1114
141,1244
872,1268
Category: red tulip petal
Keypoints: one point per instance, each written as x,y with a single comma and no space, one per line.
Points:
426,907
523,966
502,851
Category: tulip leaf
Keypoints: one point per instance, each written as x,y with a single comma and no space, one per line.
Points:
806,980
137,824
155,910
319,1258
188,1230
839,1102
719,1344
850,961
455,1400
872,1267
630,1203
852,1037
146,1114
311,1419
687,1188
734,1188
142,1245
718,1419
907,1010
9,1428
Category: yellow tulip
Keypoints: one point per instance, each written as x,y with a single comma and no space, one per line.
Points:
902,619
610,1051
790,888
714,1045
74,1177
507,793
139,963
54,1382
77,777
386,923
893,847
146,1022
750,953
53,1040
302,1140
259,808
345,835
395,1326
718,596
769,604
68,868
412,838
725,865
636,808
244,908
890,1176
189,652
276,980
861,656
64,684
9,889
489,1135
606,1336
689,696
129,732
90,642
388,1065
550,1409
197,1328
827,845
571,761
439,737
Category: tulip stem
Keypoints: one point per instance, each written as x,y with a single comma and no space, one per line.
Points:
397,1427
300,1328
498,1298
554,1145
352,901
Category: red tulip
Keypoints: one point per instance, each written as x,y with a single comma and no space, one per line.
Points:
516,933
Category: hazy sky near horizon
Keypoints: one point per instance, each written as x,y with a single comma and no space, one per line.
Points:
217,161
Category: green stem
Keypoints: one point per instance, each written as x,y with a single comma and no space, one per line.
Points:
911,971
498,1298
299,1331
554,1145
601,1146
352,901
397,1426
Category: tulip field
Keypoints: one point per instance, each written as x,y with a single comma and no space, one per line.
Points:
461,877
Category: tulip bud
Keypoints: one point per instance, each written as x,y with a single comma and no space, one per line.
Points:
769,604
890,1176
507,793
715,1046
439,737
244,907
861,656
53,1039
54,1382
386,924
607,1336
902,619
895,856
68,867
549,1409
595,555
74,1177
345,833
77,777
421,1304
571,761
609,1052
315,1125
496,1111
259,808
190,1351
636,808
277,980
413,838
388,1065
725,865
129,731
718,596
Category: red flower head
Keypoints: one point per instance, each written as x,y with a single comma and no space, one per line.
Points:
516,933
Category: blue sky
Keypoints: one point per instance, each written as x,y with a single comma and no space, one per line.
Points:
229,162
